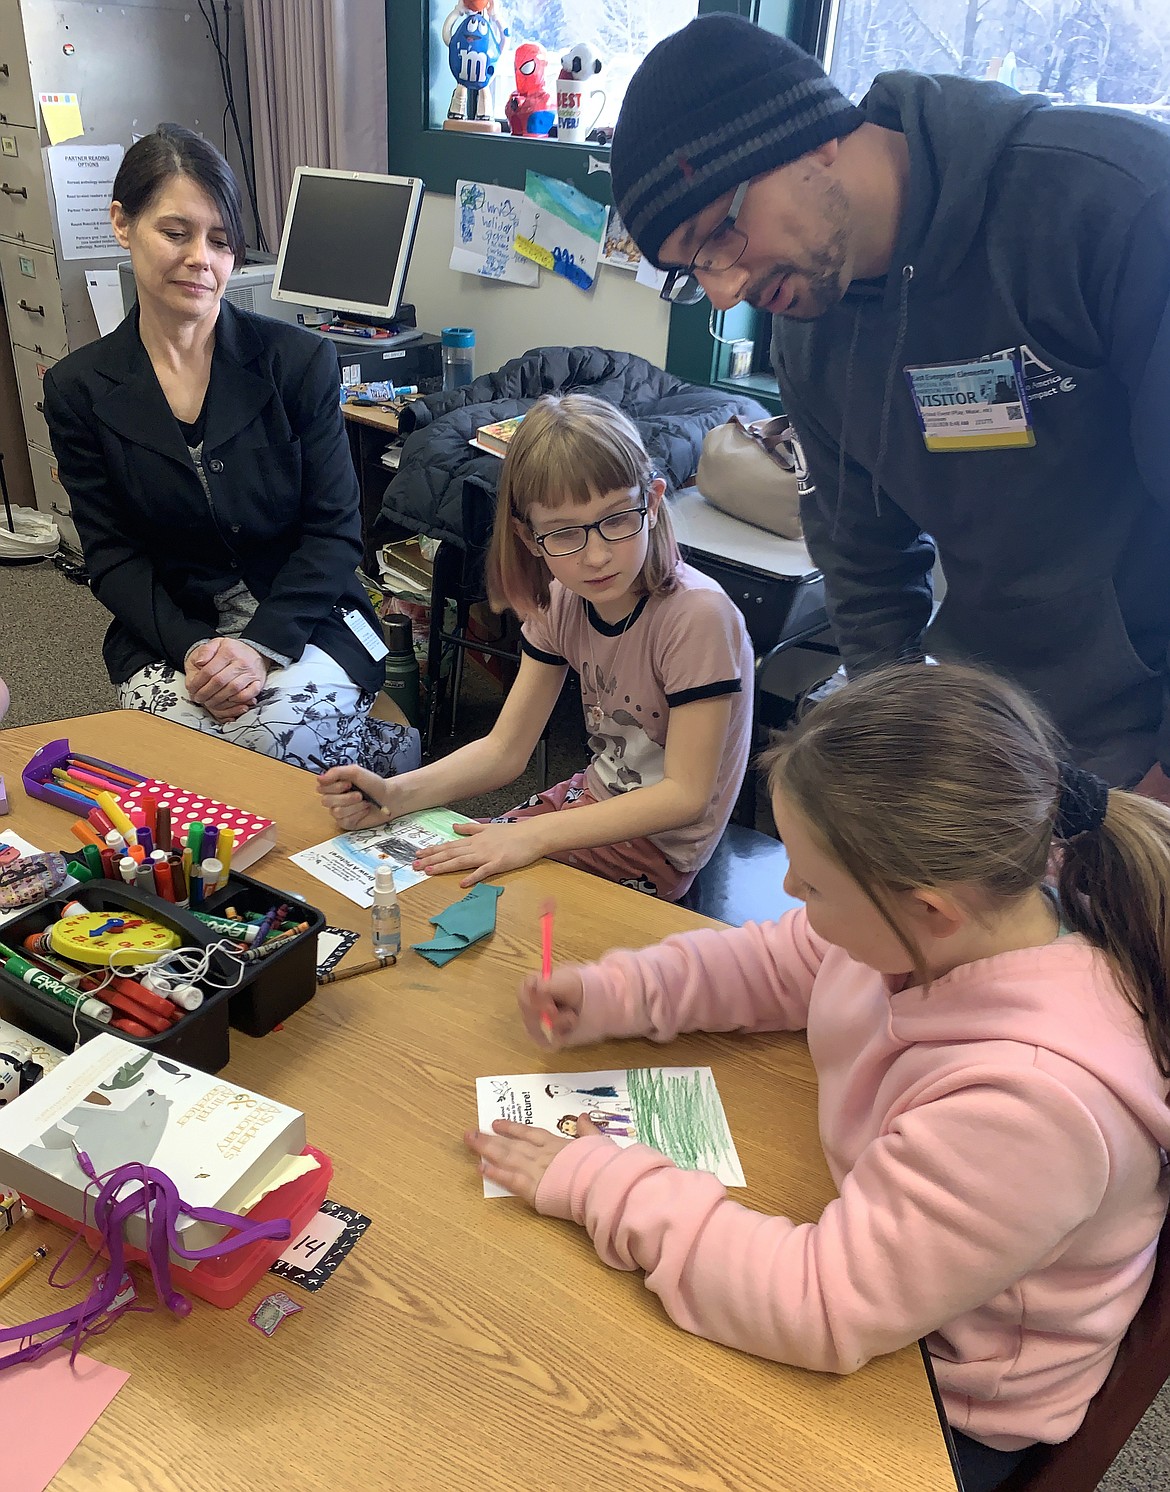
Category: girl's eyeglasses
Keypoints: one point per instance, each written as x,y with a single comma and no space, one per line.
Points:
613,528
722,249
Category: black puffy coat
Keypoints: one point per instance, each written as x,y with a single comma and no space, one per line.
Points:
426,495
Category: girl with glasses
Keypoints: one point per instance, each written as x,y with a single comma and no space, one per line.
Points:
584,553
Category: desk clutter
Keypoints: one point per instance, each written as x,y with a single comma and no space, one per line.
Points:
168,977
109,799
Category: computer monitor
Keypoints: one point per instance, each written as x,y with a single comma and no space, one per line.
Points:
347,241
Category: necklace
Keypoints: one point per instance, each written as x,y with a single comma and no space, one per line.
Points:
595,712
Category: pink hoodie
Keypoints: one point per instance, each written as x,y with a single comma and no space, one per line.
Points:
998,1145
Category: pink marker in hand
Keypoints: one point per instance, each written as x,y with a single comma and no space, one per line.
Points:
547,911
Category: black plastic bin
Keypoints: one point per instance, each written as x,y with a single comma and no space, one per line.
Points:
277,986
270,990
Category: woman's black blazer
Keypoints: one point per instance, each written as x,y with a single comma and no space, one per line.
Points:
284,515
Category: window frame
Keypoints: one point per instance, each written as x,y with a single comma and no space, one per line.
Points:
443,157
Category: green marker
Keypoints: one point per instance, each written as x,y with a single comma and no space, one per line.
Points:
92,857
29,974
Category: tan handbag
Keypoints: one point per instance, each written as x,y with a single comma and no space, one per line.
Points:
754,471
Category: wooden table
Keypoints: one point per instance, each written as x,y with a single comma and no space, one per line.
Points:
465,1344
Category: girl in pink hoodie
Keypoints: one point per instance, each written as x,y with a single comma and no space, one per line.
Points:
993,1066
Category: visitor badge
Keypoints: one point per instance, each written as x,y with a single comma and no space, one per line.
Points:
977,406
365,634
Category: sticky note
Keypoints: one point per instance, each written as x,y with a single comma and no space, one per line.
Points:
62,115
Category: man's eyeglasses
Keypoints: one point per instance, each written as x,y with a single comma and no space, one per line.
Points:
722,249
613,528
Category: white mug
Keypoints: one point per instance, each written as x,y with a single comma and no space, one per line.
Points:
571,99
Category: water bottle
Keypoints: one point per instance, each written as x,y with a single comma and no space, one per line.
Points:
385,915
402,684
458,356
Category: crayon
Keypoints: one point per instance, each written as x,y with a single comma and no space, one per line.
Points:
112,809
371,966
163,830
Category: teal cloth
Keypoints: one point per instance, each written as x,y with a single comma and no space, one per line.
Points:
461,924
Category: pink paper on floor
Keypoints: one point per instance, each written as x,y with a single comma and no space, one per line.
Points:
46,1409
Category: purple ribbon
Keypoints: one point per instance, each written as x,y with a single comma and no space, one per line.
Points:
154,1195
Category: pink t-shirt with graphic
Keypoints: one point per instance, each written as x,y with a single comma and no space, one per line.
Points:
691,644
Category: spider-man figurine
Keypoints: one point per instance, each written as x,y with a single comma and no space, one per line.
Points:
529,109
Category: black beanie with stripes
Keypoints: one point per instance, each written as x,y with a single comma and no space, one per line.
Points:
715,104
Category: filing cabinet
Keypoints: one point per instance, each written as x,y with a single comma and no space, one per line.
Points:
131,66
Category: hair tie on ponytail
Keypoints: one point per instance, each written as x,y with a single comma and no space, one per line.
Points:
1084,798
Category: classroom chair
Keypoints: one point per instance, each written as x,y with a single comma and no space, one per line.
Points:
743,881
1140,1370
458,576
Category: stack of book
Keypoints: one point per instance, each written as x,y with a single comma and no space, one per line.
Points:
221,1145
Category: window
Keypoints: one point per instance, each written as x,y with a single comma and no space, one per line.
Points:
1114,52
620,32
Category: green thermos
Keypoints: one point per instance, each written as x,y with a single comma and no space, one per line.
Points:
402,667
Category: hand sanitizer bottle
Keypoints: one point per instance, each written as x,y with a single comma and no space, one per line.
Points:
385,915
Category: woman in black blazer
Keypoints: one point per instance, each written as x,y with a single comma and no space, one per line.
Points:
205,457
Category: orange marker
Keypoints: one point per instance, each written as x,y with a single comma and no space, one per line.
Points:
86,833
547,911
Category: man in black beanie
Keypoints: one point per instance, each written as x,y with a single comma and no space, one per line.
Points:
969,289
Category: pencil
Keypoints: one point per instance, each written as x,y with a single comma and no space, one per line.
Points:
371,966
21,1270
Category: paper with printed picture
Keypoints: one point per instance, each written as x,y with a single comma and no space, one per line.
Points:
348,861
618,249
677,1110
647,275
487,221
569,231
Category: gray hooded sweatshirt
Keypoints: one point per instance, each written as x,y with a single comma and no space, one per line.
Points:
1043,231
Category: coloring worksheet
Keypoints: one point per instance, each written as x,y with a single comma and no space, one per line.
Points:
675,1109
348,861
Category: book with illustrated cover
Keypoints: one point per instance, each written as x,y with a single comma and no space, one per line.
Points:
495,438
215,1140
